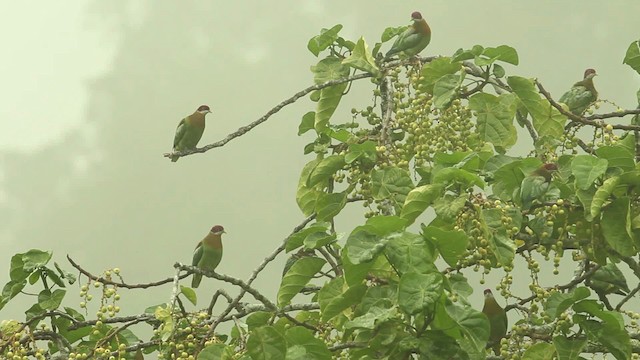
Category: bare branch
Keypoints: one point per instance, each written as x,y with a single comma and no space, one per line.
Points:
121,284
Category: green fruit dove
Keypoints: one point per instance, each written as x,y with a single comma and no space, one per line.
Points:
189,131
208,253
413,40
581,95
497,321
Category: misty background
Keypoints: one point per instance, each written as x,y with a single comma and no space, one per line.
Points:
92,92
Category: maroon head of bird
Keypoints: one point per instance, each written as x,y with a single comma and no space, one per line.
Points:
488,293
416,16
217,230
204,109
589,74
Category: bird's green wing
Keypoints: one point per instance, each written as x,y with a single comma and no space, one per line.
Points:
181,131
401,42
197,255
578,99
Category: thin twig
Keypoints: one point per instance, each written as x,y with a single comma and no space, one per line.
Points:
121,284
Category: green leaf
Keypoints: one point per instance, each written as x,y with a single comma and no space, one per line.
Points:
364,245
51,300
508,178
325,169
602,195
558,302
472,323
329,99
435,70
462,177
391,183
632,57
317,230
258,319
320,42
495,118
362,59
451,244
391,32
333,304
569,349
354,273
306,196
330,205
372,319
613,338
547,120
190,294
540,351
587,169
419,292
216,352
366,242
619,156
33,311
449,207
498,71
297,277
384,225
616,226
307,123
502,247
418,200
34,259
365,150
460,285
302,344
446,89
408,252
503,53
266,343
462,54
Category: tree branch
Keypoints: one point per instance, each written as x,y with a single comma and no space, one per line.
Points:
245,129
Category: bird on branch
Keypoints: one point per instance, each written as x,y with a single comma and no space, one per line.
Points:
581,95
413,40
497,320
208,253
189,131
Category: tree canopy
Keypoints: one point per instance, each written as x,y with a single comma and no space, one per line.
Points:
431,162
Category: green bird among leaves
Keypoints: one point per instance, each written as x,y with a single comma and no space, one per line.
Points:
497,321
189,131
208,253
413,40
581,95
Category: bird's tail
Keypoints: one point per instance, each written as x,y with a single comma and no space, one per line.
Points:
174,158
195,282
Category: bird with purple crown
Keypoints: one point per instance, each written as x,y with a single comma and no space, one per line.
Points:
208,253
413,40
581,95
189,131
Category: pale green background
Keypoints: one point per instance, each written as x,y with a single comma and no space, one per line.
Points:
92,92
